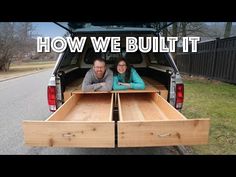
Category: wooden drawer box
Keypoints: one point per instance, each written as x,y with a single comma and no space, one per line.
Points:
84,120
146,119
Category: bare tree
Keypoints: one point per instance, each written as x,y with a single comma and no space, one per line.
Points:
6,45
181,29
15,40
26,43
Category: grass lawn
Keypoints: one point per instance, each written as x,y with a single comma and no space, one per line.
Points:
217,101
26,68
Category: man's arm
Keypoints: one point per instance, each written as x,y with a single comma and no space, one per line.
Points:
87,85
108,83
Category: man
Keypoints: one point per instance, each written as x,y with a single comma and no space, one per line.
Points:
98,78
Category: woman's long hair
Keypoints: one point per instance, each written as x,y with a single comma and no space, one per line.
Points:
128,70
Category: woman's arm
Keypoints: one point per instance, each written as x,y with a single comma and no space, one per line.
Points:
136,81
117,86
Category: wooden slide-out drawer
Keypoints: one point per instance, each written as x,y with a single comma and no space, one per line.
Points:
84,120
146,119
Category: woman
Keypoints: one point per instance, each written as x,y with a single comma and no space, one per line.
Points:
126,77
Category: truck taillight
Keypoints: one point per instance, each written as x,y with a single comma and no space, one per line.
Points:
52,98
179,96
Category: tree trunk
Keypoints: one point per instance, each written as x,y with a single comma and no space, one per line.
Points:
184,24
174,29
5,61
228,27
175,34
5,67
165,30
